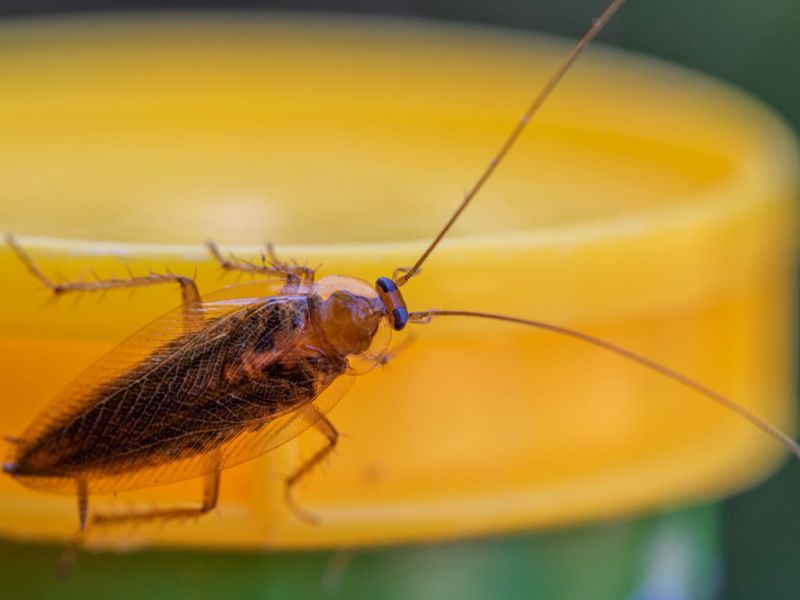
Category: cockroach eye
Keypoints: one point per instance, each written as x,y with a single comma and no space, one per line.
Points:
399,318
393,301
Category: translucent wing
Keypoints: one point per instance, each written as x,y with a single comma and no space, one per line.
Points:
152,341
168,404
248,444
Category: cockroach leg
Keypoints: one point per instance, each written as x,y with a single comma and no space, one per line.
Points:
189,291
273,256
70,555
400,347
324,426
83,502
293,272
210,496
301,273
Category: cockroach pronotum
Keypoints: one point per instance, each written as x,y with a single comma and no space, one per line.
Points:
229,376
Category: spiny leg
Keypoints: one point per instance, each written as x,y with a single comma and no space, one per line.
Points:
83,502
210,496
293,272
68,558
324,426
189,292
70,553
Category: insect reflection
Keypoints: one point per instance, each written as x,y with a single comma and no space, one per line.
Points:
231,375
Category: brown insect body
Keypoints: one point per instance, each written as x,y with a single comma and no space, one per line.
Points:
214,391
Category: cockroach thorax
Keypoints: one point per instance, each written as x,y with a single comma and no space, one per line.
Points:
349,313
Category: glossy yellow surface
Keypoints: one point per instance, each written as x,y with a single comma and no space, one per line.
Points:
645,205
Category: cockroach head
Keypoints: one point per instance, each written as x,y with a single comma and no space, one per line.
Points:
350,315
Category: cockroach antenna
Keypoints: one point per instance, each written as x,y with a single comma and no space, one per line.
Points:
399,315
768,428
594,29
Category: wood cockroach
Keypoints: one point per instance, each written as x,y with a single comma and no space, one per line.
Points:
229,376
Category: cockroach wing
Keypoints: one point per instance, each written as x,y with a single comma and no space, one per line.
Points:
250,441
153,342
153,410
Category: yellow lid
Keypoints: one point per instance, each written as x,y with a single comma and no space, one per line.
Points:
645,205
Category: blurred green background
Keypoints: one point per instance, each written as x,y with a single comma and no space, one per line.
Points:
755,45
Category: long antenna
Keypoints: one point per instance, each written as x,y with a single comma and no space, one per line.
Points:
767,428
596,27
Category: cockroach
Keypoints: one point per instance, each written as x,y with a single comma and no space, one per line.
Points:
232,375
